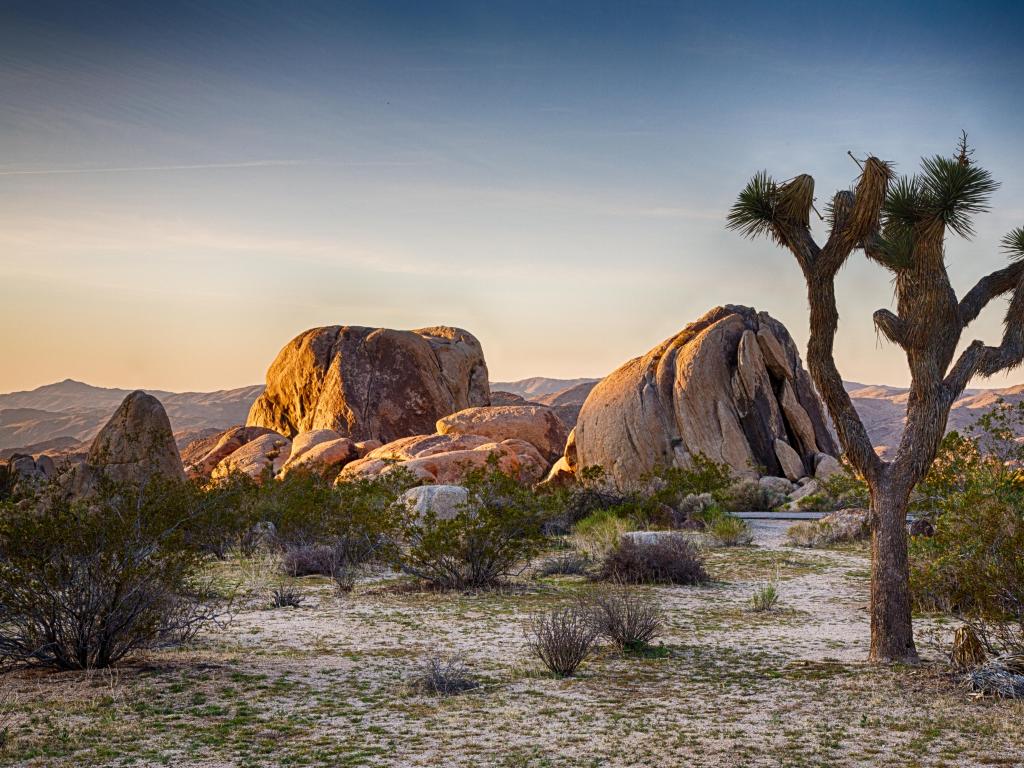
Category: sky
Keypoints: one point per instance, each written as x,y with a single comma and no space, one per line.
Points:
185,186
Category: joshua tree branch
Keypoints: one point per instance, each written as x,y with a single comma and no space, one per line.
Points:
891,326
989,287
824,322
979,359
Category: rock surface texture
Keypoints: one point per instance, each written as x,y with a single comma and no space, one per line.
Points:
447,458
201,456
536,424
371,383
730,386
265,455
135,445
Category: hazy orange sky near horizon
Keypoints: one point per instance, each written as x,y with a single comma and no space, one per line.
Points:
186,187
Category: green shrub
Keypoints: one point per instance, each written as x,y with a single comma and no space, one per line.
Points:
85,583
499,528
765,598
748,495
598,534
730,531
972,565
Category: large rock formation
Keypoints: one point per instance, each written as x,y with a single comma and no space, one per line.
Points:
371,383
135,445
730,386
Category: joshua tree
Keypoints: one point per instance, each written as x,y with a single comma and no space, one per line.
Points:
901,224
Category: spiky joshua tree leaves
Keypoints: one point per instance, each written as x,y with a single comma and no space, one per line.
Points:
901,224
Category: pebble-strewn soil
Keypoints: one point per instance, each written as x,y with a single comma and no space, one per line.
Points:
328,684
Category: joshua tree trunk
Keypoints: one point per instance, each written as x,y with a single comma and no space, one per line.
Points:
892,636
902,226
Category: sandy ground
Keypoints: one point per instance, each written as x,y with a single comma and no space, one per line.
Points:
329,683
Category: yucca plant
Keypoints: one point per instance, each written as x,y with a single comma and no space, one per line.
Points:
901,224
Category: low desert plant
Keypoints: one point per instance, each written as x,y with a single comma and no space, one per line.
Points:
595,536
625,616
84,583
486,540
765,598
445,677
310,560
668,559
286,596
728,530
748,495
561,638
563,564
843,526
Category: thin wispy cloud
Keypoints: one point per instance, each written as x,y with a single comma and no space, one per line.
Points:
149,168
209,166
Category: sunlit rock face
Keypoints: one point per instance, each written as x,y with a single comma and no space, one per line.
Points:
371,383
135,446
730,386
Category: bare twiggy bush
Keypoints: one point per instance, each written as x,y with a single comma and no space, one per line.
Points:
625,616
562,638
670,559
445,677
287,597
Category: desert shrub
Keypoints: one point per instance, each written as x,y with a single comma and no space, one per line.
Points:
564,564
227,515
765,598
728,530
625,616
598,534
668,559
499,527
809,533
841,490
85,583
445,677
840,527
592,494
670,485
310,560
971,566
748,495
286,596
694,507
561,638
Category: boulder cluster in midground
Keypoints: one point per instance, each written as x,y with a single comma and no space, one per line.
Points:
355,402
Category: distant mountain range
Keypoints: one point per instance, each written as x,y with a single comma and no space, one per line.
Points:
67,415
64,417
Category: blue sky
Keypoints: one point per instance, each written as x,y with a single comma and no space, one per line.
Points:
186,186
